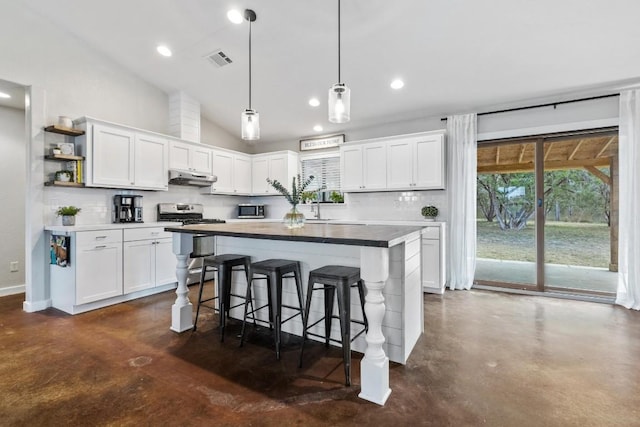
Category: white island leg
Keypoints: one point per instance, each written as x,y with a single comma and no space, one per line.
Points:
181,310
374,368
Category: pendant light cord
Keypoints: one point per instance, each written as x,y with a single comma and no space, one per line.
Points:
250,64
339,81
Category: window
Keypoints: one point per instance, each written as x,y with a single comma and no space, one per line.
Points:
326,170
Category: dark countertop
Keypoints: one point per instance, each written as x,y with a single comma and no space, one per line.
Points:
383,236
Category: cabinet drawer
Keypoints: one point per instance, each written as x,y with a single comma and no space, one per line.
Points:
99,237
431,233
131,234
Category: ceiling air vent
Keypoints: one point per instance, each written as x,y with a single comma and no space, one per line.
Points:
219,58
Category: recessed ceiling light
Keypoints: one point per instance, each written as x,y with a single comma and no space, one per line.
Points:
317,128
235,16
397,84
4,95
164,50
314,102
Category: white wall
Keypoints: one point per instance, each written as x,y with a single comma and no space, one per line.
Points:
212,134
12,196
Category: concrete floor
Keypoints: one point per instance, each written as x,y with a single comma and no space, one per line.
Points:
485,359
556,275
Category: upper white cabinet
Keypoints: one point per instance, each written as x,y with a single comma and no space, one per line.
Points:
233,170
416,162
151,162
407,162
363,167
190,157
119,157
281,166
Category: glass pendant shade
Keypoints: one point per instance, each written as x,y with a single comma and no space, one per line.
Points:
339,103
250,121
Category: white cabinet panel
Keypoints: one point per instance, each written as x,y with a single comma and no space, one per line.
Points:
434,259
112,156
190,157
416,162
98,272
260,173
242,174
139,265
429,162
278,166
165,262
151,162
223,169
364,167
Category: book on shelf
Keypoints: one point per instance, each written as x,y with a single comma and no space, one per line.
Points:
75,167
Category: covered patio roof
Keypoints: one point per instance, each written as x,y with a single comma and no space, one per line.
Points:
570,152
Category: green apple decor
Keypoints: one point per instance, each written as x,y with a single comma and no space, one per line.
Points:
429,212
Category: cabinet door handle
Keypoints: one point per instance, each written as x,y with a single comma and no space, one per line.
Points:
155,233
100,247
100,237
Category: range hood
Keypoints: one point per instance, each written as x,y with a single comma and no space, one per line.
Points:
178,177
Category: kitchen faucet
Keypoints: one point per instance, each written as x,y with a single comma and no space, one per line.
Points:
317,213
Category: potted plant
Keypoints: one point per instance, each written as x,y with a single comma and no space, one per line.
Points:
336,197
293,218
309,196
68,214
429,212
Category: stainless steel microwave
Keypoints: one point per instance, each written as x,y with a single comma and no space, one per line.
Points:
250,211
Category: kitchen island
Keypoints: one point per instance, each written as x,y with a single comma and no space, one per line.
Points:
389,259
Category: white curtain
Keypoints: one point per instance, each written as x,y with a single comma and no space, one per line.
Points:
629,205
461,191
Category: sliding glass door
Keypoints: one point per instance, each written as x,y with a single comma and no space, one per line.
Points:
547,213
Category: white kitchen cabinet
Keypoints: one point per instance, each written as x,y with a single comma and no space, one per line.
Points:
151,162
190,157
233,170
148,259
120,157
104,269
98,265
281,166
363,167
434,259
416,162
112,157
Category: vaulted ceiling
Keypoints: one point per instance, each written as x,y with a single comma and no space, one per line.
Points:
454,55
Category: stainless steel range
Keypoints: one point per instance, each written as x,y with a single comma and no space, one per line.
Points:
186,214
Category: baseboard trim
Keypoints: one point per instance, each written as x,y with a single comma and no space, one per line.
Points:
33,306
12,290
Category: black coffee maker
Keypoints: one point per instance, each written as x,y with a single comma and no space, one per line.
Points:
127,208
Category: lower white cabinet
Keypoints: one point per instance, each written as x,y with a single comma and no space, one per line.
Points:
434,259
98,263
111,265
148,259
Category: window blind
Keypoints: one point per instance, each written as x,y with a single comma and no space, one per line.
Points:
326,171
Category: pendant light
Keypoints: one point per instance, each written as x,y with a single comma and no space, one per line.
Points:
339,93
250,119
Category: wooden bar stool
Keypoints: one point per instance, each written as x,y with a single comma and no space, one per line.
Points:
341,279
274,271
225,265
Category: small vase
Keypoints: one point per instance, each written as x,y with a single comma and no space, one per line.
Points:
294,218
68,220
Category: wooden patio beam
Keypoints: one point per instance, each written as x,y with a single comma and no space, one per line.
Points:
551,165
575,150
599,174
606,146
524,147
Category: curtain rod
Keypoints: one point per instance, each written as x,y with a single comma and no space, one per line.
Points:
550,104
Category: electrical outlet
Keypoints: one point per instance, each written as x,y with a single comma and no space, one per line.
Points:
13,266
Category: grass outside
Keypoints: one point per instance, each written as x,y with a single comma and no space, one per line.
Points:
584,244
